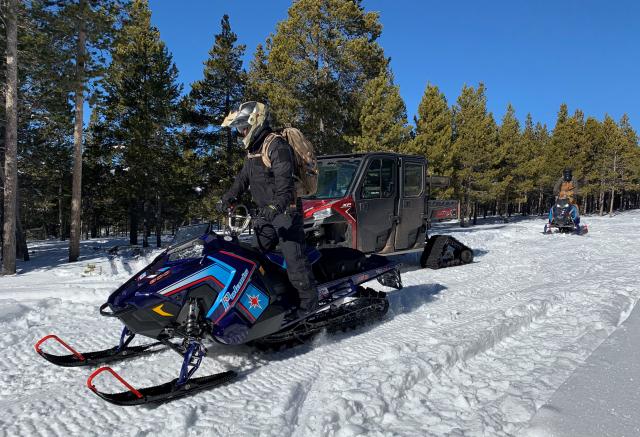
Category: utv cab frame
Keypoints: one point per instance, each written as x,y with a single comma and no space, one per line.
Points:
379,203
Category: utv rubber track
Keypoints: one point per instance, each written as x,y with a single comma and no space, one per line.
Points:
445,251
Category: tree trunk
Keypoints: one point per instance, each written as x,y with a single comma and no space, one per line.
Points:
464,206
145,224
22,251
11,140
95,226
613,196
133,222
60,215
158,222
601,202
540,199
76,192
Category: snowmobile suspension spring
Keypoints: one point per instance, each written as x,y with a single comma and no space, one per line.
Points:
192,320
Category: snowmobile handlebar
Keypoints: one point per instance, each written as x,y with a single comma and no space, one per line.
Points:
238,220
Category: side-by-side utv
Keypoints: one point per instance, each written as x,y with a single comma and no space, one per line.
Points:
379,203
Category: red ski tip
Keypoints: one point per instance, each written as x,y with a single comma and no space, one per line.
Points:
77,354
115,374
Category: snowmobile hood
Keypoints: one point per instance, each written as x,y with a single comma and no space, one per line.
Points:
166,268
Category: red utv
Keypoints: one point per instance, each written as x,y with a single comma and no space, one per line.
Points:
379,203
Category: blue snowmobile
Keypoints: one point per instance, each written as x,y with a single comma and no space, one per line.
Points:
564,217
215,286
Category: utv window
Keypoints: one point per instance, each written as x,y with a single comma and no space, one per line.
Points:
334,178
378,182
413,179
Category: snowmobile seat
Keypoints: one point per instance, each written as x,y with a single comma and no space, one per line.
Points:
277,258
340,262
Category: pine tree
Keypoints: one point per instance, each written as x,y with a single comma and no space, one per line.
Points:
630,171
10,175
527,171
44,124
318,61
632,163
475,138
433,132
383,117
211,99
139,109
593,182
258,77
566,142
95,27
507,158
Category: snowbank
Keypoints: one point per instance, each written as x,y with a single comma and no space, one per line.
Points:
602,397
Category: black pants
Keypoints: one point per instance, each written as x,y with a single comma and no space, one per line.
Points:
288,229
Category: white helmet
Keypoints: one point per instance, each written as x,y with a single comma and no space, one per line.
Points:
251,115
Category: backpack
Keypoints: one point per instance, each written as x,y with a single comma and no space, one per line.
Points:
306,164
566,191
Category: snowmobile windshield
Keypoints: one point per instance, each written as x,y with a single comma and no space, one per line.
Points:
189,249
335,178
187,233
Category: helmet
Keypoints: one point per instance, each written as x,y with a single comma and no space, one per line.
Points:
566,174
250,115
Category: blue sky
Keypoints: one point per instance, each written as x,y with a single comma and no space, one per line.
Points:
534,54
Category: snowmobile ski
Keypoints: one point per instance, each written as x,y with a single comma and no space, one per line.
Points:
158,393
77,359
580,230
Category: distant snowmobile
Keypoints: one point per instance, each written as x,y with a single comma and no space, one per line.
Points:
563,216
214,286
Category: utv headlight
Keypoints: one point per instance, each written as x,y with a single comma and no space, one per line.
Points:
322,214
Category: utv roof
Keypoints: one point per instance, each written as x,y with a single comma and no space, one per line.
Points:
364,154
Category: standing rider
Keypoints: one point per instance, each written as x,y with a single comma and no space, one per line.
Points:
567,189
273,190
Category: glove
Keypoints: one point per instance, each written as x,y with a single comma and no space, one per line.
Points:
269,212
224,204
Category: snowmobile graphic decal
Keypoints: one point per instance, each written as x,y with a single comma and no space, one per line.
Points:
219,273
228,298
162,312
253,302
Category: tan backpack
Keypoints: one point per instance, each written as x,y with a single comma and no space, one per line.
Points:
566,191
306,164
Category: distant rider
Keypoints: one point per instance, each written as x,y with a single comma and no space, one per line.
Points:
567,188
273,190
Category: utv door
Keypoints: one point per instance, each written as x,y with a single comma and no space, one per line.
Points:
411,227
376,202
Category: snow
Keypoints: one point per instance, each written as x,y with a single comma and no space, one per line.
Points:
601,397
471,350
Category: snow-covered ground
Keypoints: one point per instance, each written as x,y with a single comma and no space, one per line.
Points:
601,398
470,350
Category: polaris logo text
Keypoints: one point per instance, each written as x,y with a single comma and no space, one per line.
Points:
236,288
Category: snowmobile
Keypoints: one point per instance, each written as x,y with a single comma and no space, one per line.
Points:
562,219
217,287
